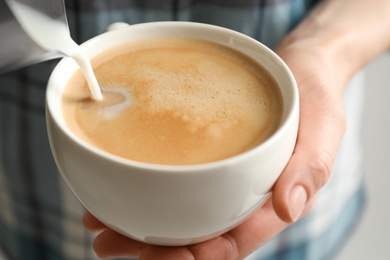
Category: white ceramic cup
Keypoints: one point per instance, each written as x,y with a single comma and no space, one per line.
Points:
172,205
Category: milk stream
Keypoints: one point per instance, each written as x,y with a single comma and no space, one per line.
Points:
53,35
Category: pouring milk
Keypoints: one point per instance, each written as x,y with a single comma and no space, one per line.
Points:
53,35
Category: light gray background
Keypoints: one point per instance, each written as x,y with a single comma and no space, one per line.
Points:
371,239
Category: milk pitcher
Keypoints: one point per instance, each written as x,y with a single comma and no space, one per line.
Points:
17,46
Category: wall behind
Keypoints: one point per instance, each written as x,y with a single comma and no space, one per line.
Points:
371,239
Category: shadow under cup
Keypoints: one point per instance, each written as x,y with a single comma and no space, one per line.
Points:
172,205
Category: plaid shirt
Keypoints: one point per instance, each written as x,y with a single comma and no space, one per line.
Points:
40,218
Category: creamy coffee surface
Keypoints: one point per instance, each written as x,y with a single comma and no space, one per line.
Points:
174,101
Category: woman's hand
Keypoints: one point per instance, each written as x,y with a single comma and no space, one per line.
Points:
323,52
322,124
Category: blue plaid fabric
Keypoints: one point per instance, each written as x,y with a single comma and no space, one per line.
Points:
39,217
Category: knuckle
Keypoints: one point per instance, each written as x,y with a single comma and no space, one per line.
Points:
231,247
320,168
228,248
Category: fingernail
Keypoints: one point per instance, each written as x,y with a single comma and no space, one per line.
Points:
298,199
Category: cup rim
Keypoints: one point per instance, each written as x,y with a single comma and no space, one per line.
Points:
69,63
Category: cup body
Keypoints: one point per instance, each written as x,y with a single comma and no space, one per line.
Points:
172,205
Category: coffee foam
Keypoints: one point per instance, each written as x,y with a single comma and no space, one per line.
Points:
212,103
183,101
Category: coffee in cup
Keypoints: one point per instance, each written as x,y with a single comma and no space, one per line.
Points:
175,101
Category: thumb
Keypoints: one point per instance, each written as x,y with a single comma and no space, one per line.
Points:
321,128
